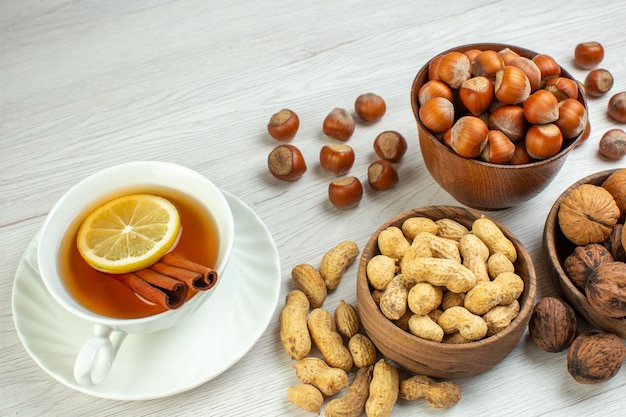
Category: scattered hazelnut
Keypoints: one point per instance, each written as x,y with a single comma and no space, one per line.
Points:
336,158
390,145
283,125
613,144
370,107
616,108
339,124
588,54
598,82
345,193
595,357
286,162
381,175
552,325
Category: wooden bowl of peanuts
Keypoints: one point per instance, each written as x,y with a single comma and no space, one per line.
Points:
445,291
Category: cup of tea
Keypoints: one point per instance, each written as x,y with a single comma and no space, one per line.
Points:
115,307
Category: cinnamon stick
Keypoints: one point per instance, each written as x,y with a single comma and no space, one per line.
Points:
192,279
156,288
209,275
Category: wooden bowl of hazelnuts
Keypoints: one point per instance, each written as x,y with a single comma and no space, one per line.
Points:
496,122
425,294
584,248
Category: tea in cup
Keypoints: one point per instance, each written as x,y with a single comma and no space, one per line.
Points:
115,307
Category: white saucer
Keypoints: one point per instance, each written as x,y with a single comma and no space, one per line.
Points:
170,361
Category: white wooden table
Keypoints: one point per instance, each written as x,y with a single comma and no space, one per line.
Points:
89,84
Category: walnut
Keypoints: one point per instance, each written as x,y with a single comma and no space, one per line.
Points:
614,243
552,325
595,357
616,185
585,259
606,289
588,214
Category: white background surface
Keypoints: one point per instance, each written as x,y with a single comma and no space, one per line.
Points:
88,84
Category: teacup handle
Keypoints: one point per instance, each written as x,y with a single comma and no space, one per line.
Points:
97,354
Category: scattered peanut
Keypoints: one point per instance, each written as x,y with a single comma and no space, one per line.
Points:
411,227
306,397
346,319
424,298
444,394
494,238
440,272
310,283
383,390
316,372
459,319
352,404
504,289
499,317
336,261
392,243
380,271
294,333
363,350
330,343
426,328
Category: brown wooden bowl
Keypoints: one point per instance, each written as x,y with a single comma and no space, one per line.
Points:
482,185
556,248
439,359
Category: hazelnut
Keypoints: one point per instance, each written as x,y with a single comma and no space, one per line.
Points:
552,325
339,124
286,163
544,140
390,145
616,108
612,144
598,82
336,158
283,125
583,261
370,107
588,54
606,289
381,175
595,357
345,193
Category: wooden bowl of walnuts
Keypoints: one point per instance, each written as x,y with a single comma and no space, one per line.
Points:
493,137
425,296
584,263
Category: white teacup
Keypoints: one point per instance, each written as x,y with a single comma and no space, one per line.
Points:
98,352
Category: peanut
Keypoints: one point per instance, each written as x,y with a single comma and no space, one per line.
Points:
440,272
499,263
451,229
392,243
439,394
346,319
455,339
352,404
363,350
403,322
383,390
316,372
420,248
494,238
435,314
310,283
426,328
393,302
380,270
414,225
470,246
459,319
442,247
499,317
424,298
504,289
294,333
451,299
478,268
330,343
306,397
336,261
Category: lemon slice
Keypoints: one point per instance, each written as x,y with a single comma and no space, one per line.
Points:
128,233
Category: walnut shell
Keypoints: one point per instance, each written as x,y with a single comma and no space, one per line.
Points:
595,357
616,185
606,289
552,325
583,261
615,243
588,214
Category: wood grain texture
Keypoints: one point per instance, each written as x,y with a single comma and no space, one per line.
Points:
88,84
